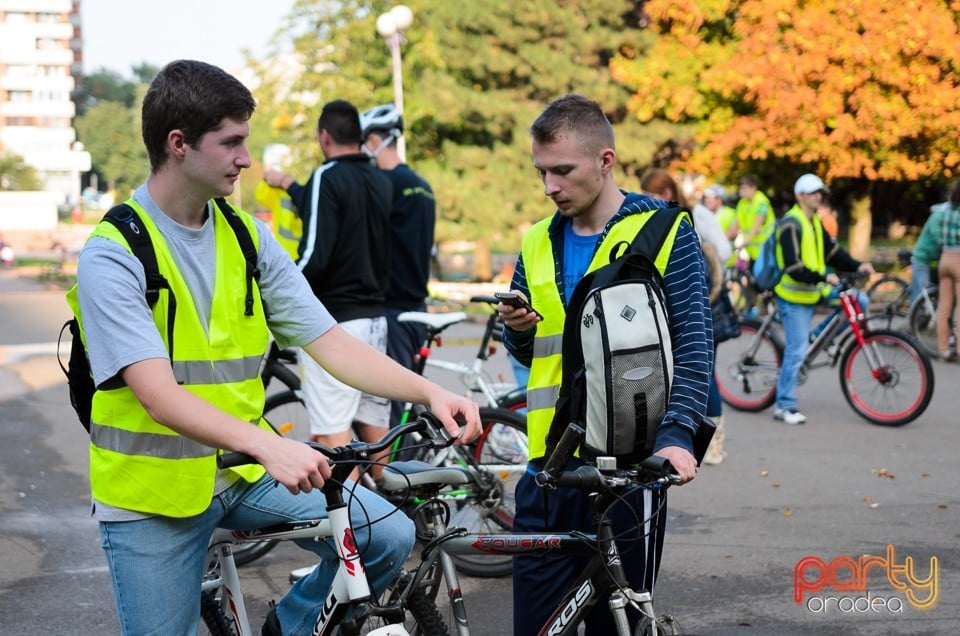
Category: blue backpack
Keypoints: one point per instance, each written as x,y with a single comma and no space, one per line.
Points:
766,272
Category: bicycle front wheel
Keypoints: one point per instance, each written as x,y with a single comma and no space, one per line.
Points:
746,367
422,618
887,380
500,457
215,621
923,323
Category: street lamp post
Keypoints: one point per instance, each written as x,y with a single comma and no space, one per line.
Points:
391,26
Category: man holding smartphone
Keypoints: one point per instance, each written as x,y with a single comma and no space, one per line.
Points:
573,151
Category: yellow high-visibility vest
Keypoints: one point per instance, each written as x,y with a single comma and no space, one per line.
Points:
285,222
138,464
546,367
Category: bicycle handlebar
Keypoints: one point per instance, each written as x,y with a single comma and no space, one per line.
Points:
427,424
652,470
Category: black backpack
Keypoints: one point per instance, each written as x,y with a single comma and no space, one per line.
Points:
617,351
127,221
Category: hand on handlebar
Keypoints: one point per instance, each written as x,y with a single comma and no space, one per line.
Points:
682,460
294,464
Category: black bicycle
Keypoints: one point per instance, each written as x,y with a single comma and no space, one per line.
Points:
443,542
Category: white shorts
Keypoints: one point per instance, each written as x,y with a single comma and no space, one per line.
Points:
333,406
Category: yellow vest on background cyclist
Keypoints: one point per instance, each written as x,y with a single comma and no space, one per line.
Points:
285,221
811,255
755,217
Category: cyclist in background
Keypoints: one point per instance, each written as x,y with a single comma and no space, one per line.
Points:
926,252
755,217
804,250
162,412
412,220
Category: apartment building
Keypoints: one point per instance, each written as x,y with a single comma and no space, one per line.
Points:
40,55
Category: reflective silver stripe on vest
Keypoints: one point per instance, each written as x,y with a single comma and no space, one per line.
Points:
543,398
287,233
217,371
547,346
801,287
287,204
126,442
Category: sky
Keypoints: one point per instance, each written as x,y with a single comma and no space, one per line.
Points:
118,34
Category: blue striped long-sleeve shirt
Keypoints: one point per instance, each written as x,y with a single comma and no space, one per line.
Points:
690,318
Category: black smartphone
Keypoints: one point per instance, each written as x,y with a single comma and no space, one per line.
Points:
516,300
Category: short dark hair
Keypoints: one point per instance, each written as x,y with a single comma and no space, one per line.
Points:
749,180
341,120
194,97
574,114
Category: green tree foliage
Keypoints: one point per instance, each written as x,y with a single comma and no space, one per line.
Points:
863,92
15,174
110,132
475,76
103,85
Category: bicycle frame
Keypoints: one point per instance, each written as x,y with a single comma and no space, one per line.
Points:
350,587
603,573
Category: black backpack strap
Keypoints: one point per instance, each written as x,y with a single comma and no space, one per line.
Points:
652,235
644,248
128,223
247,247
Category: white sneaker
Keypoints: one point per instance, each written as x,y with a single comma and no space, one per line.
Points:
789,416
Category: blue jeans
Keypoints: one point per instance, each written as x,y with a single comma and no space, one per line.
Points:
156,564
796,333
920,273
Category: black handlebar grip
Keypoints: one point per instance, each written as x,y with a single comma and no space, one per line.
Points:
583,478
561,455
232,460
659,466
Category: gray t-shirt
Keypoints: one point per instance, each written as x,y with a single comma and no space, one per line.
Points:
118,323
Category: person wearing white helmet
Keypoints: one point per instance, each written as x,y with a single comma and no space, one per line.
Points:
412,220
804,250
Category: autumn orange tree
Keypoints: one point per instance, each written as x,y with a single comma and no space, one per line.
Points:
862,92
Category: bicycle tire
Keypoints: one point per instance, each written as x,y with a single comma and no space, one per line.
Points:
286,413
904,371
515,400
213,618
889,299
665,626
923,324
425,619
749,384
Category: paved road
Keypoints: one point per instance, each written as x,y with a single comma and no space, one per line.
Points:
835,488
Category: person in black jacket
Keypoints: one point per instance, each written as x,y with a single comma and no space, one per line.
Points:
345,256
411,228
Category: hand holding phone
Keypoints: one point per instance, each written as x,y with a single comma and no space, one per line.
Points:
514,299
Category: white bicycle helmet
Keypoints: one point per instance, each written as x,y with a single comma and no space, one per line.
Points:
384,118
